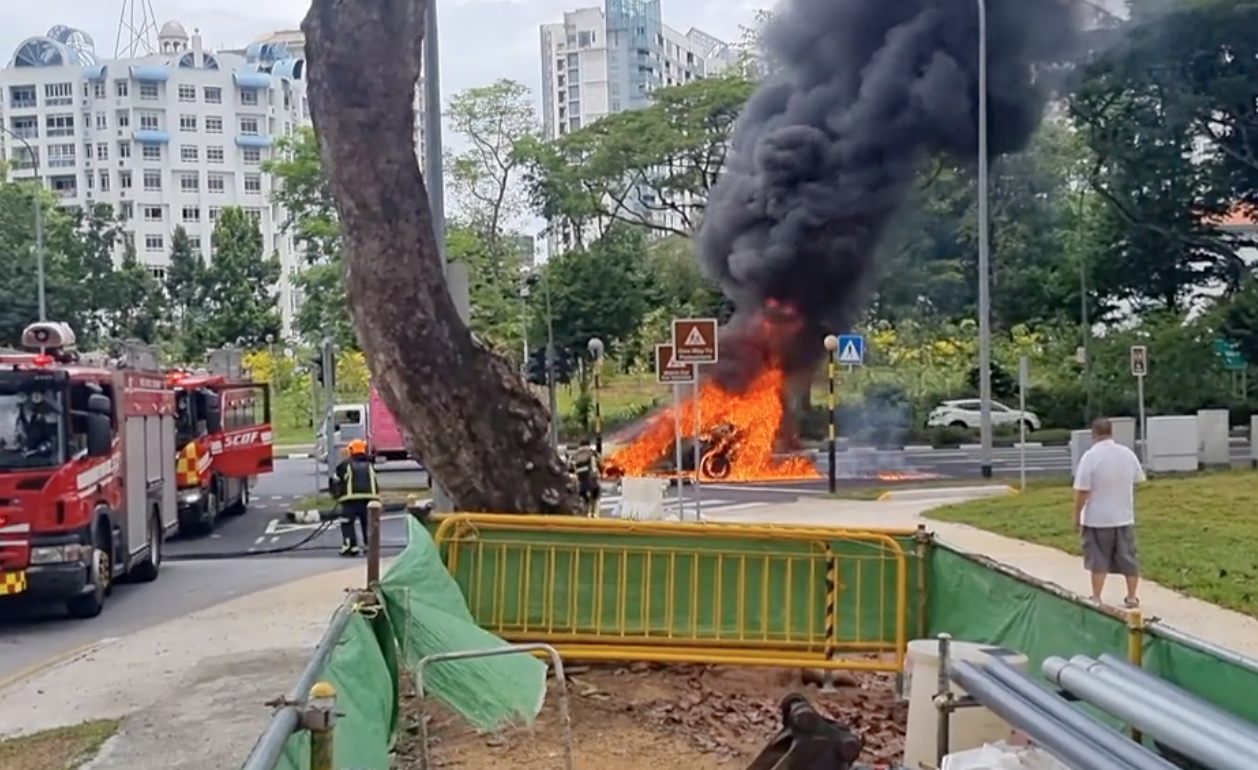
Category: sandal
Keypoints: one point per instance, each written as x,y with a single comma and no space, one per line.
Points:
1131,604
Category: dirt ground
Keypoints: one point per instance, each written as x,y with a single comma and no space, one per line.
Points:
646,717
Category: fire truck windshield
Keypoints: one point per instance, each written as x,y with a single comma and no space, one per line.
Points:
32,426
186,417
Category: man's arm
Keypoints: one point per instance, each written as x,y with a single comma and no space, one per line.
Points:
1083,489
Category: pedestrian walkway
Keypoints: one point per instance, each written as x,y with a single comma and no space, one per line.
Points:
711,504
1206,621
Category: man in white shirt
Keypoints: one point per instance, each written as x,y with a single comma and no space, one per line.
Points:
1105,511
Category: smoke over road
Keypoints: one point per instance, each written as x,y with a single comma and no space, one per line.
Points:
826,150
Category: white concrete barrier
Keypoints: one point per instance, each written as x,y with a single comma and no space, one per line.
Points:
641,499
1214,441
1125,432
1172,445
1253,441
1080,442
946,493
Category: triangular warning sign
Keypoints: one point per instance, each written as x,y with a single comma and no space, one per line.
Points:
695,339
850,354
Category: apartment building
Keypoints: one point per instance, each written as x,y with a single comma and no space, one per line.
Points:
169,139
601,61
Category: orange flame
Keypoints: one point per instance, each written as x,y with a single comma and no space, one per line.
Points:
739,433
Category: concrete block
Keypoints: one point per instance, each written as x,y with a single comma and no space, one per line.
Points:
1213,438
1125,431
1172,445
1080,442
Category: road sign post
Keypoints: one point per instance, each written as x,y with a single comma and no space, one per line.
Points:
851,350
669,371
695,342
1139,370
1024,378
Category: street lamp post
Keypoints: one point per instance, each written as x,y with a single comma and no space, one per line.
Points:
551,396
984,259
41,279
596,350
832,346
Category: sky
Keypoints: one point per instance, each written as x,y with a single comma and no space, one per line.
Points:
481,40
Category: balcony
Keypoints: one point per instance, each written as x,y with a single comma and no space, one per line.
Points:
150,136
24,132
256,80
253,140
23,104
150,73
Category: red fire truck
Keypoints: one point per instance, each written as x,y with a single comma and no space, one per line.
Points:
225,443
384,435
87,470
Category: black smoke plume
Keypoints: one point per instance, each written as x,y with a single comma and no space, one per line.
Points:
827,148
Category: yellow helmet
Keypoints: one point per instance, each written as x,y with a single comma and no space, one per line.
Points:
356,447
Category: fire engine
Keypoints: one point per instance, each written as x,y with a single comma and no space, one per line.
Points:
225,442
87,470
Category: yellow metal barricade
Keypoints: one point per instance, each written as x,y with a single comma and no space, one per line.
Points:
602,589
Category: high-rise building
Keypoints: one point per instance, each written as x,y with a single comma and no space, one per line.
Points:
600,61
169,139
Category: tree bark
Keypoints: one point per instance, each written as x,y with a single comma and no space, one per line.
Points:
467,411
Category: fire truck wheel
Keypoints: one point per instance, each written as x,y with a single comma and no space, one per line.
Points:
99,577
148,570
241,506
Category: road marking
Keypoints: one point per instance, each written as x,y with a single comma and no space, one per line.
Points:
35,669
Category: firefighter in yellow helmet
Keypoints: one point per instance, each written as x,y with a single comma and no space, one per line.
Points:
355,485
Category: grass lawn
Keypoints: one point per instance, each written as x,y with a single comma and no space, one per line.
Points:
1197,533
876,491
63,748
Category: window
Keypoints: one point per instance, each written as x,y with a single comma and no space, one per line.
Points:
213,124
128,237
127,211
253,156
150,121
189,153
123,118
149,92
124,149
98,90
194,244
213,95
215,183
121,88
124,181
102,121
87,150
249,97
154,242
254,213
159,273
151,152
61,155
214,154
152,180
249,126
152,213
187,123
192,213
190,182
102,150
214,213
187,93
59,125
253,183
104,181
58,93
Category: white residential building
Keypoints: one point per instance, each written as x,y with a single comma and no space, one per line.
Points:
600,61
169,139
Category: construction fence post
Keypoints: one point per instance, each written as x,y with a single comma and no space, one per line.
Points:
374,511
320,719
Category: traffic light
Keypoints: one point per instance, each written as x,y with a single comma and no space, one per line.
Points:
535,368
316,368
563,366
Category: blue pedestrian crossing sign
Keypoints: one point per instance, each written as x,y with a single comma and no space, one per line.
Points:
851,349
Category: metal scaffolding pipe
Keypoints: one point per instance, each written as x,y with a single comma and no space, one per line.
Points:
1136,708
1057,739
1050,703
1174,706
1183,698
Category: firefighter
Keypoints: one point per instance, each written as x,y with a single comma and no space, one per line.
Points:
355,486
588,466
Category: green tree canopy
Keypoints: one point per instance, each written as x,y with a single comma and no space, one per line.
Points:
242,304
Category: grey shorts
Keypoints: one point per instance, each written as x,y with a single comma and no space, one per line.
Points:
1110,550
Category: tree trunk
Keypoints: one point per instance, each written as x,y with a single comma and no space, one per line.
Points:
467,411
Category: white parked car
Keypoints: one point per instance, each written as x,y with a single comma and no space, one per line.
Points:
964,413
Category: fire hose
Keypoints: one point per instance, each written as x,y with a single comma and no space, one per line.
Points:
328,518
808,741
